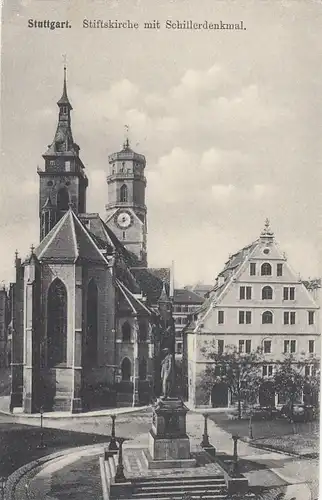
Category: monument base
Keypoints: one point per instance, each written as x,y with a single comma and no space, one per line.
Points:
169,445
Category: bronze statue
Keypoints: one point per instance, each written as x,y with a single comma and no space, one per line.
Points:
167,374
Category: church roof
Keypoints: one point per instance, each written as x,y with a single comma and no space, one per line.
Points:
134,302
69,241
151,281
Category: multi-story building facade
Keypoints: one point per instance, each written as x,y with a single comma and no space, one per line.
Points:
185,303
258,302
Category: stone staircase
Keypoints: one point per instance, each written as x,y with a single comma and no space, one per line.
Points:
173,488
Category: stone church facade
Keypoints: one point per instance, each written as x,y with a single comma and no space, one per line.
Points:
89,317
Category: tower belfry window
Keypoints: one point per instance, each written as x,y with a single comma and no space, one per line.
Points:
62,199
124,193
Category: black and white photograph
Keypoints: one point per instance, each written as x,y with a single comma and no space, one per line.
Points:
160,249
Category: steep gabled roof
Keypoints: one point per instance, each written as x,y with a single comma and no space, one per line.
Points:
134,302
69,241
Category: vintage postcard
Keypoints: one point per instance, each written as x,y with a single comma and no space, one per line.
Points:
160,249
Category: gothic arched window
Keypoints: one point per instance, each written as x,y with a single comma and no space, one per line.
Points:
142,369
143,331
267,318
92,324
124,193
62,199
56,323
266,269
126,369
126,332
267,293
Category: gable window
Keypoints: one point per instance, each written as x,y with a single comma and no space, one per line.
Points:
221,317
267,318
289,346
289,318
311,317
245,317
267,346
252,269
279,270
267,370
245,292
220,346
311,346
289,293
67,166
267,293
266,269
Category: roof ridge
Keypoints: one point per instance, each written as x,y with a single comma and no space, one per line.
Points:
88,234
55,231
74,236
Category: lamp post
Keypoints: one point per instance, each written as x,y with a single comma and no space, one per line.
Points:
235,453
2,487
250,425
113,444
119,474
205,438
41,445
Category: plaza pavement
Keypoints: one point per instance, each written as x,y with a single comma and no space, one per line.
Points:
75,473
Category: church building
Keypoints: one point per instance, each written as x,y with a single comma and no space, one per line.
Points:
89,317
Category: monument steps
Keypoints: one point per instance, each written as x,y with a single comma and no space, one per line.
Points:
178,480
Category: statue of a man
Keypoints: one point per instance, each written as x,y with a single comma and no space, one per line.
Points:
167,373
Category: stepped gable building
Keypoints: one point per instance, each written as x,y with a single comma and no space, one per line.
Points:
87,319
258,301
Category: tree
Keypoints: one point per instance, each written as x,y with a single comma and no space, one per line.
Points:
239,371
293,377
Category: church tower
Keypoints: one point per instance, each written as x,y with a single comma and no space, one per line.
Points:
126,209
63,182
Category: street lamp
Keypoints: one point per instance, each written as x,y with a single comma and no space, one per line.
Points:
41,445
205,437
113,445
2,487
235,453
119,474
250,425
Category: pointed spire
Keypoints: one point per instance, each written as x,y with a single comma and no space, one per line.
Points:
64,101
164,297
267,231
126,144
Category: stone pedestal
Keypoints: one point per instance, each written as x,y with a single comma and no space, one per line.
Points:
169,445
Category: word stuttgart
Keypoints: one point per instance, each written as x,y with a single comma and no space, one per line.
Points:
51,25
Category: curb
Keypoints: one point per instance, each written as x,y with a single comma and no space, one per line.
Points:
17,476
260,446
71,416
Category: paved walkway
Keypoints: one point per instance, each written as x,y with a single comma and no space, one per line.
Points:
76,476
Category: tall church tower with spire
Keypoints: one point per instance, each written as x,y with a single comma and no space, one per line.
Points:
126,210
63,182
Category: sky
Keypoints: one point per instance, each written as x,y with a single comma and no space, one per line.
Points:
229,122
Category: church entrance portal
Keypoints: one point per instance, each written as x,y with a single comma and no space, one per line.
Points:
219,395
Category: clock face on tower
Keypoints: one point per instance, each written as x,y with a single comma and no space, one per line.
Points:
123,219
